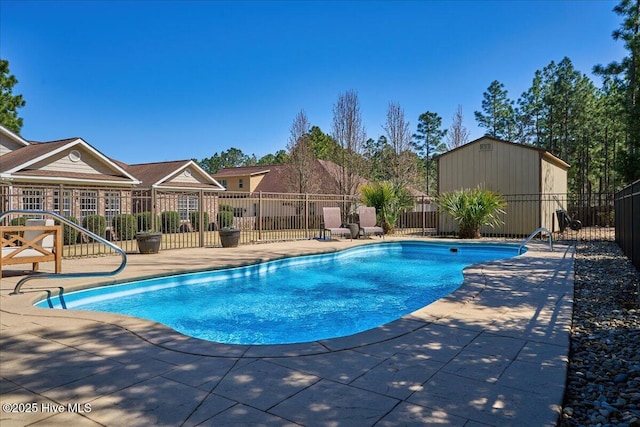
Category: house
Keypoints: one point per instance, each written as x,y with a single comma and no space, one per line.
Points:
281,178
254,191
243,179
68,176
73,178
529,175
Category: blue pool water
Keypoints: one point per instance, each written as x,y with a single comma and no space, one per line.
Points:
297,299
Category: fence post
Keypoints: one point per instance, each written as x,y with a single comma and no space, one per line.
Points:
424,216
154,212
201,223
306,215
260,216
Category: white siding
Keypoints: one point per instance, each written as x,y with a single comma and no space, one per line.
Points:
8,145
61,162
181,178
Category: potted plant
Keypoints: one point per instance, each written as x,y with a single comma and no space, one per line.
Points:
148,241
229,237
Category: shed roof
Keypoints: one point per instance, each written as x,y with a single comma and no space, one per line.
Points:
543,153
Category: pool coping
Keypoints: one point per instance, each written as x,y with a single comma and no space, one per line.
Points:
463,310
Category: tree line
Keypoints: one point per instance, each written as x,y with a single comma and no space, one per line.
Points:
596,129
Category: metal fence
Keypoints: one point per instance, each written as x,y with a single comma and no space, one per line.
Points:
627,220
192,219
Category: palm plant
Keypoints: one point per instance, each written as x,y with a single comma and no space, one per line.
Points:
388,200
472,209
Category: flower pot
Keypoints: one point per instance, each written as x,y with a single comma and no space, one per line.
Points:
355,230
229,237
149,243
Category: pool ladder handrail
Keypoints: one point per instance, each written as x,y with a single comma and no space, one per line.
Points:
38,275
532,235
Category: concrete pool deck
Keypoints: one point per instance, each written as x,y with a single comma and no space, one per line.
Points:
493,353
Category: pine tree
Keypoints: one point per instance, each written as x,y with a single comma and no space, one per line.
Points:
498,114
9,103
628,73
428,142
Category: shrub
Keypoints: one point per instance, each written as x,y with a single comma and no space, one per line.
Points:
170,221
388,200
144,221
125,226
20,221
194,217
472,209
225,216
69,234
96,224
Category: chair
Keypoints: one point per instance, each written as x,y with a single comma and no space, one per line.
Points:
368,221
38,241
333,222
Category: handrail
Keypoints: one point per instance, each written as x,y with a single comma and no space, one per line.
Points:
16,290
532,235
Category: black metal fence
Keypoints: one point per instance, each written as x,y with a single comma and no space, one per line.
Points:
627,220
190,219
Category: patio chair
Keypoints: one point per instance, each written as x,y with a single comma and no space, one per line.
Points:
39,240
564,220
333,222
368,221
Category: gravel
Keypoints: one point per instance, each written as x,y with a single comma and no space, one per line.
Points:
603,382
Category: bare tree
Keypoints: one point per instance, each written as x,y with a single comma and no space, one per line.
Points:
402,167
458,134
349,133
299,171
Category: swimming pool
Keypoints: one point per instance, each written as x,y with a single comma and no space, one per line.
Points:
298,299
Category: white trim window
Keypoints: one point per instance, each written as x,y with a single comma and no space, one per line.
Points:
111,206
88,203
33,200
62,207
187,203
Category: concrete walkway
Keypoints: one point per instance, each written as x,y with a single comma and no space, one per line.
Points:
493,353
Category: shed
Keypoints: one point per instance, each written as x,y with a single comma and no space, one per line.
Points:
531,179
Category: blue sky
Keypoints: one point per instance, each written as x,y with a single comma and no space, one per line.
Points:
147,81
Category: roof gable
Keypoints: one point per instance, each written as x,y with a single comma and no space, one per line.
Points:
61,161
486,138
13,136
10,142
174,174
